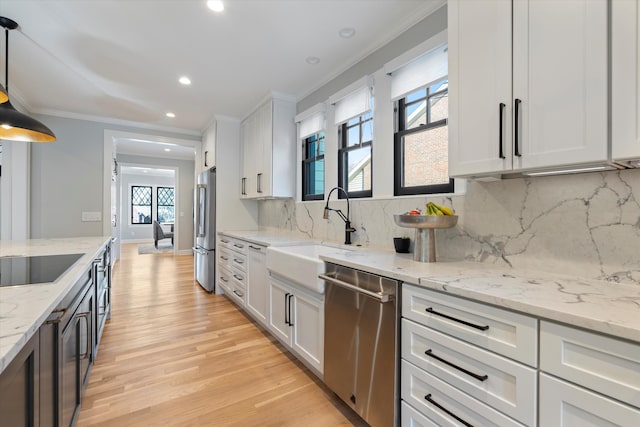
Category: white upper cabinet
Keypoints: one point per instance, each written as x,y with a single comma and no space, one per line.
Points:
527,85
269,154
209,147
625,81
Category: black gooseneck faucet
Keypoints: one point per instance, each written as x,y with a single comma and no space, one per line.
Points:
348,229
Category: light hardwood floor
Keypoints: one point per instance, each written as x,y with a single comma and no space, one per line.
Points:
174,355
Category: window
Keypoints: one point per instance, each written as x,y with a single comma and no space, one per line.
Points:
166,204
354,155
421,142
313,167
140,205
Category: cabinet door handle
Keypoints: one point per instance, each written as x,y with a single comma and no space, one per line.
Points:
516,128
429,353
464,322
289,309
61,312
429,399
286,311
206,164
85,316
257,248
244,186
259,177
501,133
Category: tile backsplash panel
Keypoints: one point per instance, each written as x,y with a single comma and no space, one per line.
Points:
585,224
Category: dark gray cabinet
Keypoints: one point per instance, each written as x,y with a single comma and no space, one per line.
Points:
19,388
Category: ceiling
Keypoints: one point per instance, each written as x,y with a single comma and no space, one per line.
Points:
121,59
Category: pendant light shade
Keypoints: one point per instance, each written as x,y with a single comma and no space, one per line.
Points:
14,125
3,95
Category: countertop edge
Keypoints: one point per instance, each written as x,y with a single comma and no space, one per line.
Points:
70,278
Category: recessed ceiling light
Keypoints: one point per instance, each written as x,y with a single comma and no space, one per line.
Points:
167,149
185,80
215,5
170,115
312,60
347,33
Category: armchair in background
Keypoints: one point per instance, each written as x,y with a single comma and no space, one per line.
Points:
159,234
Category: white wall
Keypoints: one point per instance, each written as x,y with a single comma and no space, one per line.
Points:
129,231
67,177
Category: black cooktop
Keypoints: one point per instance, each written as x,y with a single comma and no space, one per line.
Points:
30,270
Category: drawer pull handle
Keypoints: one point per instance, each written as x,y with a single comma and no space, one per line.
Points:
224,258
224,241
61,311
445,410
238,246
432,311
239,261
225,280
238,293
238,277
459,368
257,248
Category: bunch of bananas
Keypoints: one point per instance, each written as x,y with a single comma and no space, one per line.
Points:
433,209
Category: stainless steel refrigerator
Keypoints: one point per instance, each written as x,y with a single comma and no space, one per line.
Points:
205,229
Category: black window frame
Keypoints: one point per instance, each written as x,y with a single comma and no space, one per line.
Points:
150,205
398,149
309,158
344,149
158,201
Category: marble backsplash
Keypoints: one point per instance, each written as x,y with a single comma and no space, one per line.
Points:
587,225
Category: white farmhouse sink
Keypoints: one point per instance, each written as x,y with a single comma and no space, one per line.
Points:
301,264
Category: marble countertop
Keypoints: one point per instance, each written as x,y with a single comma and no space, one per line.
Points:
267,238
607,307
24,308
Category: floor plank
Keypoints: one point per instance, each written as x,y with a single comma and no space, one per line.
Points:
174,355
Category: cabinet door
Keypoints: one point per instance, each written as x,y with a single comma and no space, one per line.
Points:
566,405
86,345
479,86
279,296
69,372
308,329
257,287
249,157
264,149
560,77
19,388
625,80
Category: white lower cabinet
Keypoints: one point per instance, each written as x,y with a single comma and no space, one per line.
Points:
296,317
566,405
257,286
445,404
462,362
495,380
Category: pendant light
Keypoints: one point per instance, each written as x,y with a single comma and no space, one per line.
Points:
14,125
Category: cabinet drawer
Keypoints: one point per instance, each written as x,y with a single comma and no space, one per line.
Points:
509,334
225,257
233,244
601,363
444,404
495,380
239,279
225,278
563,404
409,417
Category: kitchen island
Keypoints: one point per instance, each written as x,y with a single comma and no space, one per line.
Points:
24,308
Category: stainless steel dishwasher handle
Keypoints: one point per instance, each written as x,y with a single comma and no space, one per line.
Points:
382,297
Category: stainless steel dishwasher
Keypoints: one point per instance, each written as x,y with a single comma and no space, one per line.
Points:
360,342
